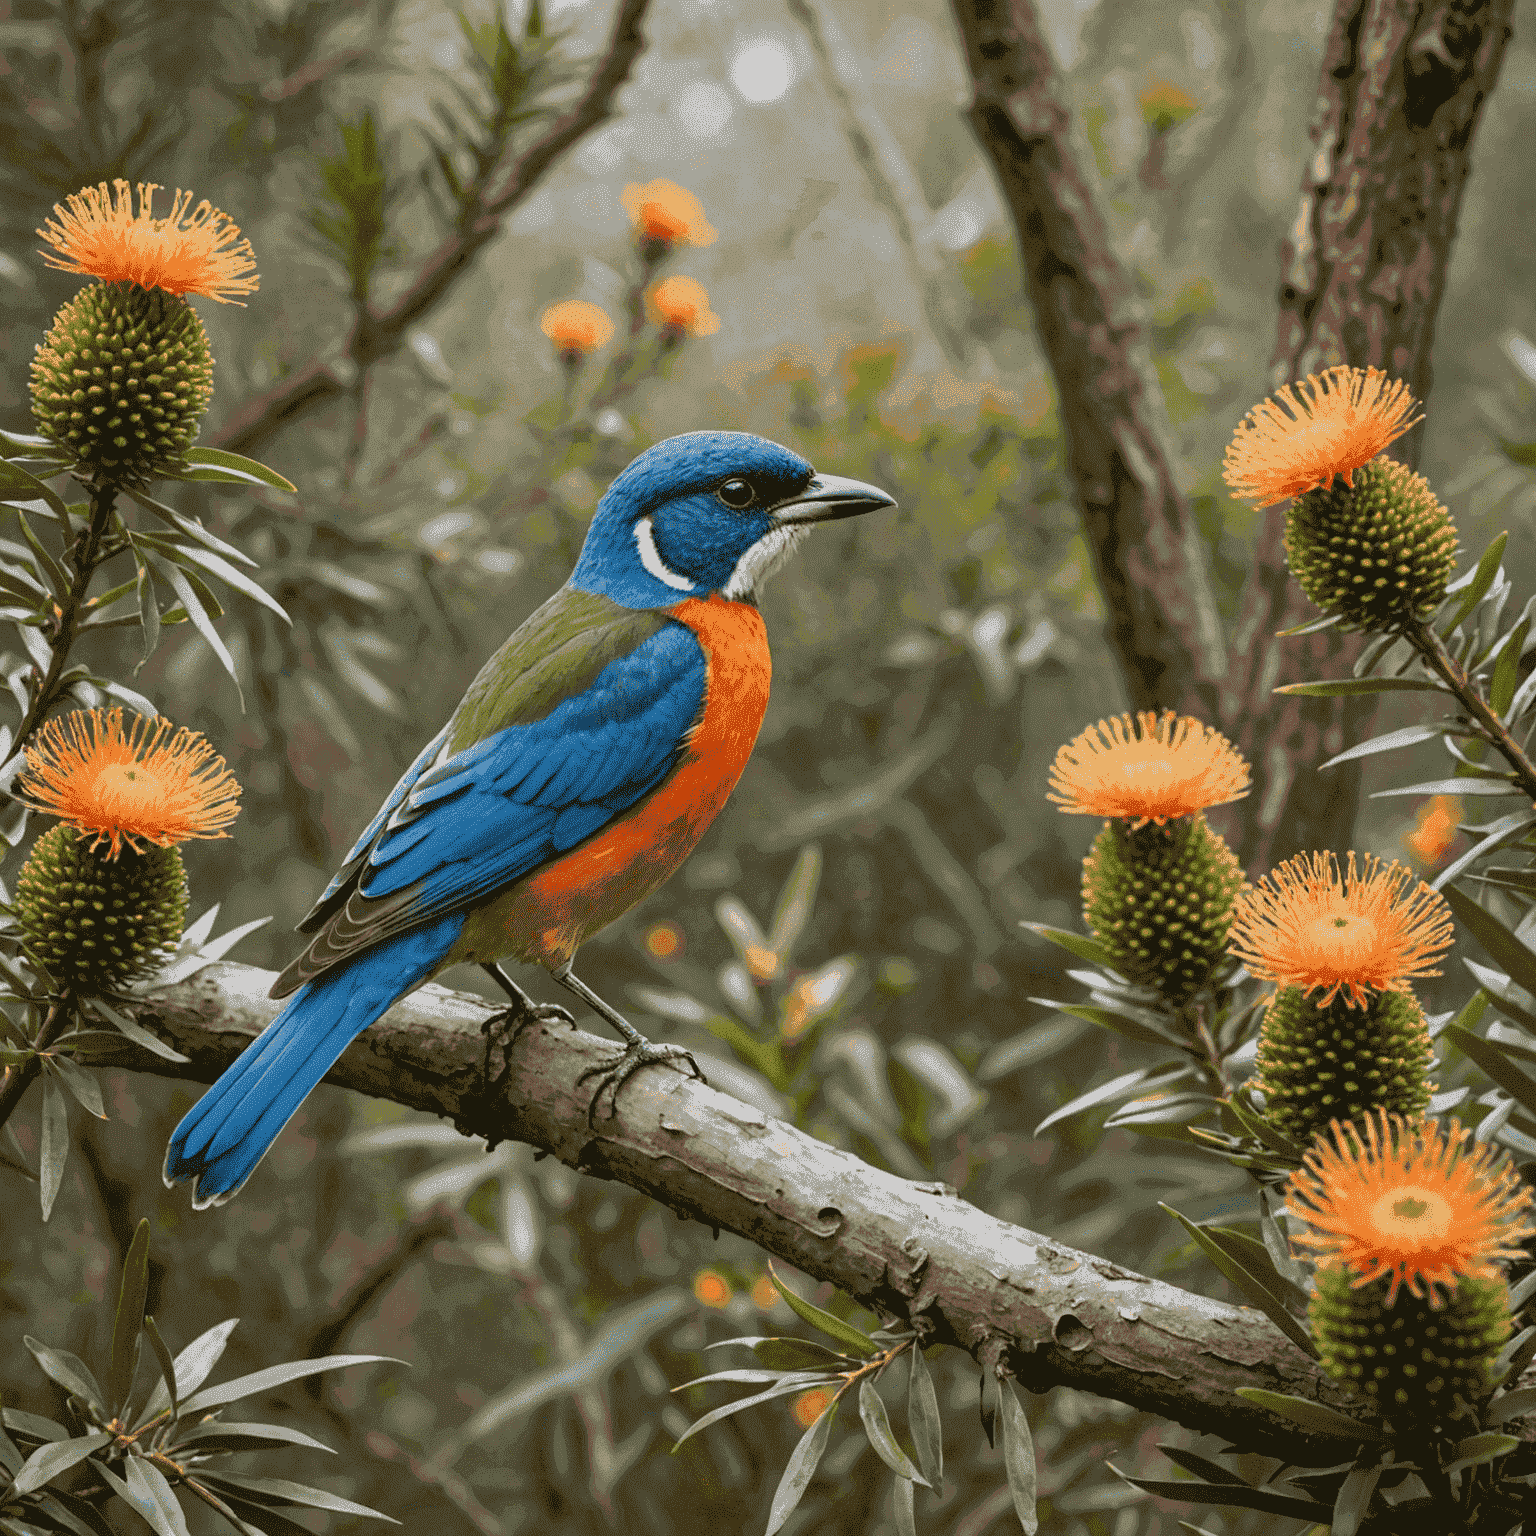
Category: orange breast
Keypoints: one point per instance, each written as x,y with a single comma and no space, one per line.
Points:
547,915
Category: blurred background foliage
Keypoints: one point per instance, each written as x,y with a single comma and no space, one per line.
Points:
844,948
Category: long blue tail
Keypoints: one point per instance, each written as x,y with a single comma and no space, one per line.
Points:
227,1132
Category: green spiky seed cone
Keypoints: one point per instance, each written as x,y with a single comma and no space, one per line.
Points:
1410,1361
122,379
1380,551
96,922
1160,899
1322,1062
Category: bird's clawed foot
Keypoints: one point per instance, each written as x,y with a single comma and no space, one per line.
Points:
502,1029
639,1052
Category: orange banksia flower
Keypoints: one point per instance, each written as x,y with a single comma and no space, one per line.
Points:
681,304
99,235
1304,435
1374,929
122,786
576,327
1411,1203
1147,768
666,214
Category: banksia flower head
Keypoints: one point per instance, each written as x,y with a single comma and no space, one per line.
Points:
1319,1062
1304,925
120,786
665,215
1408,1305
97,919
122,379
681,306
1378,548
1435,829
1409,1202
1147,768
577,328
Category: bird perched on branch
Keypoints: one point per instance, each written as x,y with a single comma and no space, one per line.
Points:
577,773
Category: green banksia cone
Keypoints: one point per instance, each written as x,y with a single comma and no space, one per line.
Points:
1379,552
1411,1361
1160,899
98,922
122,380
1328,1061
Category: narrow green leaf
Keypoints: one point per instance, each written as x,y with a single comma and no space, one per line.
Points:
51,567
781,1389
1108,1018
1310,627
1476,1449
83,1087
182,586
1018,1457
1519,1085
135,1031
1313,1417
54,1147
219,1435
1513,1405
25,440
47,1461
221,568
275,1376
1491,785
1506,671
1079,944
1495,936
1354,687
163,1360
1116,1088
1202,1466
824,1322
1254,1288
1514,1357
1254,1257
803,1461
71,1373
13,479
129,1321
149,613
923,1420
877,1429
235,464
906,1516
193,1365
1496,985
1224,1494
1354,1499
278,1490
152,1491
1477,585
1408,736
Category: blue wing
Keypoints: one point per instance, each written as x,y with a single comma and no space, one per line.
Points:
454,833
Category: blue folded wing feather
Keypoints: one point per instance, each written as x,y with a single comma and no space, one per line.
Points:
527,794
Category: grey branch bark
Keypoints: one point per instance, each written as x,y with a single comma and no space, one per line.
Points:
913,1252
1401,90
1400,94
1150,561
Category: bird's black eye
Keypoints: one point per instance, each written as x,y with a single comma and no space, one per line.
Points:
737,494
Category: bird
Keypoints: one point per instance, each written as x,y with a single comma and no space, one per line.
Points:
579,770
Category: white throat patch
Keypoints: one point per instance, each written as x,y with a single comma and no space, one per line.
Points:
760,561
650,558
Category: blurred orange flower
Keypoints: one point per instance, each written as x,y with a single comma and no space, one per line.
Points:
765,1294
681,304
99,235
712,1288
667,214
1331,425
1435,829
810,1406
576,327
664,941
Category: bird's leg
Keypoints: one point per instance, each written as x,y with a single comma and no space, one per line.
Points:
638,1051
523,1012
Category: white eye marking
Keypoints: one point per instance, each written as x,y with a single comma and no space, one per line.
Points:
762,559
650,558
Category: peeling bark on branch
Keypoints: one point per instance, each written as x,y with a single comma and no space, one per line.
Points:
1150,561
912,1251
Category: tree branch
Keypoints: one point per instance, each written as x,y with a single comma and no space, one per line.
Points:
911,1251
378,333
1147,551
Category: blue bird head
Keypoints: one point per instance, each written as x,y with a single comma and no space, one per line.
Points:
708,512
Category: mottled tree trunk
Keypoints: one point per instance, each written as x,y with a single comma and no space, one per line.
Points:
1400,94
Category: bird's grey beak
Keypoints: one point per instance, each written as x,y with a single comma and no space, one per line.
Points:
831,496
